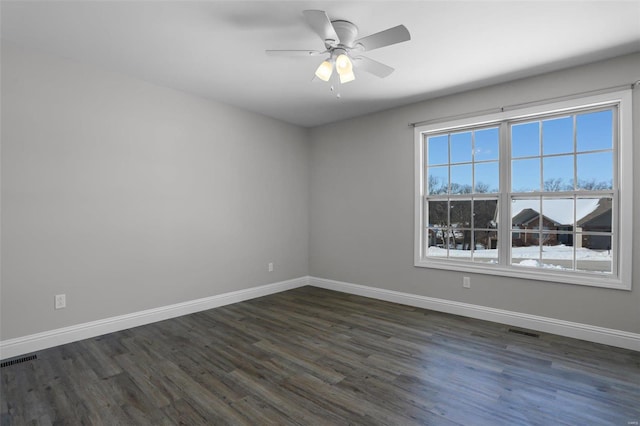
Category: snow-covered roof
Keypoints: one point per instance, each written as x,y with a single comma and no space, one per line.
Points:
559,210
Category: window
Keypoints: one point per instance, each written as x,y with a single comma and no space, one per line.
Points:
560,174
463,183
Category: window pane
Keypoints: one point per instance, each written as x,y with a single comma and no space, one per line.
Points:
557,250
557,214
525,175
525,139
485,246
436,240
461,247
487,178
557,136
557,173
525,214
461,179
594,214
485,214
594,131
595,171
461,147
438,214
460,212
525,250
594,253
438,150
438,180
486,144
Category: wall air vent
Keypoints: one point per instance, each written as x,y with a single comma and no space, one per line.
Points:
14,361
523,332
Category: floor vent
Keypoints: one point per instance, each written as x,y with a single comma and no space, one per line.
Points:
18,360
524,333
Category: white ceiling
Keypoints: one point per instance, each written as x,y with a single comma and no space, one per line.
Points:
216,49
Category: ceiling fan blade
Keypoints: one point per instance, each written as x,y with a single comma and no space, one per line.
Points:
321,25
374,67
385,38
293,52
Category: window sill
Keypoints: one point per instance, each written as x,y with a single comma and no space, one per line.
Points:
526,273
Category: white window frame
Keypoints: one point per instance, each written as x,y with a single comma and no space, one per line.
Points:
623,171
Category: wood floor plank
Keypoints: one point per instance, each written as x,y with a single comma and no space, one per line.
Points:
258,412
204,400
144,378
310,356
182,413
135,404
276,397
327,374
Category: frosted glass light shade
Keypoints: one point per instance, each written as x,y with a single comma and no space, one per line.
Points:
343,64
347,77
324,71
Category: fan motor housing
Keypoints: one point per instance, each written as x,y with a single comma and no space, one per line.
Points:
346,31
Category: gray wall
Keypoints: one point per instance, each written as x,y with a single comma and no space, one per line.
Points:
362,205
128,196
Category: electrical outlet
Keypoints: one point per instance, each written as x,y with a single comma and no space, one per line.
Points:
60,301
466,282
270,267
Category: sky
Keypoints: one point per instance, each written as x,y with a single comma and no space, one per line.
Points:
543,151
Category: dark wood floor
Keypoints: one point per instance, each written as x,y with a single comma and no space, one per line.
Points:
315,357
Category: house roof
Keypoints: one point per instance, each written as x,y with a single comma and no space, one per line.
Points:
559,211
603,207
525,216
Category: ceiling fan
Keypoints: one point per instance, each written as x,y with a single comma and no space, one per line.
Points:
343,48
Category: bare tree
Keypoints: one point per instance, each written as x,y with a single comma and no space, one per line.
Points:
436,185
483,188
593,185
457,188
556,184
448,219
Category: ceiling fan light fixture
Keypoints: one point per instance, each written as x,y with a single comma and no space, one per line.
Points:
343,64
340,39
324,71
347,77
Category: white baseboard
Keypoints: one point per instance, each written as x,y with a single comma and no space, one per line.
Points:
607,336
35,342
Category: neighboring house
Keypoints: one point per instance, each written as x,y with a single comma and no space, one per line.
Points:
593,215
529,220
598,220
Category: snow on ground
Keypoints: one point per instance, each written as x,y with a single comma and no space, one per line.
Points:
532,252
533,263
